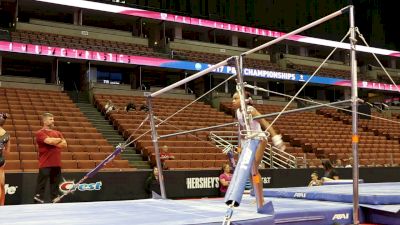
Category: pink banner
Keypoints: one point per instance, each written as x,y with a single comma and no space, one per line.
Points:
80,54
147,61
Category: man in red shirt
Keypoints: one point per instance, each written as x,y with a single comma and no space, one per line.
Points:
49,142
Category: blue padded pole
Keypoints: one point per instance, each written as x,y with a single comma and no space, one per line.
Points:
242,172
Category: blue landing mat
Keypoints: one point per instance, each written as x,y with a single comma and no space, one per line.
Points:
162,212
146,212
381,215
369,193
309,212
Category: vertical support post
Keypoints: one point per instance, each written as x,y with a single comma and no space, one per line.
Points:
164,37
354,106
57,75
186,86
271,158
90,79
154,138
140,77
16,14
1,64
240,88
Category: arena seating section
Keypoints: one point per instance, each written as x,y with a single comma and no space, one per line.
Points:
326,134
191,151
86,146
309,136
57,40
381,146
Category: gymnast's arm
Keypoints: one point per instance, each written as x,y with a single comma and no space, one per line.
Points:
264,123
275,137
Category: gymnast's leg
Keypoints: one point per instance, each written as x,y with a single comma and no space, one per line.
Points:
256,176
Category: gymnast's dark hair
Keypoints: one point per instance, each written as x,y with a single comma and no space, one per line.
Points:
247,98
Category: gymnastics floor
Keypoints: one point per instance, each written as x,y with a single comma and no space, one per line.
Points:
160,212
286,210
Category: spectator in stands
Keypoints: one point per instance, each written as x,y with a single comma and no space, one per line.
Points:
130,106
224,179
152,183
339,163
349,162
256,125
165,155
315,181
144,108
49,142
329,172
109,107
4,150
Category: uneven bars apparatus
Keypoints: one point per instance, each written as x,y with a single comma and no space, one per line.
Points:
225,62
234,193
233,197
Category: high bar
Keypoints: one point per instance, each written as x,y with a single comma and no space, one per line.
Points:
194,76
299,30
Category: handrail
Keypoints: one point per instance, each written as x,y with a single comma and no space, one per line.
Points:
142,86
278,159
189,91
77,91
221,142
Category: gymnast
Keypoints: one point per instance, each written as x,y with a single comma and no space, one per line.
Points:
257,126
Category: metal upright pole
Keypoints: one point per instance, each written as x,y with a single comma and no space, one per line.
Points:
354,106
238,61
154,139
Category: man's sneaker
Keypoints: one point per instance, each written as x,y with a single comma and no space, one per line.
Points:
37,200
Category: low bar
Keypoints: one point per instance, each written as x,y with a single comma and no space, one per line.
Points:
257,117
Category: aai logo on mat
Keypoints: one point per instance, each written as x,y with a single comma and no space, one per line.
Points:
340,216
299,195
